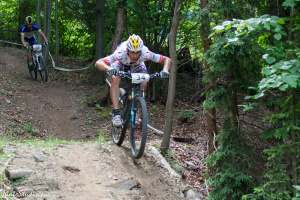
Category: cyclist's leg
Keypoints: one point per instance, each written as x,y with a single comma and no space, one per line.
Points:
31,41
114,95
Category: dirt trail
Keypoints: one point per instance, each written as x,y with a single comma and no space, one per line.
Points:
85,170
56,108
90,171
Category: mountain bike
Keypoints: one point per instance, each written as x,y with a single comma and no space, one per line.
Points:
133,112
38,63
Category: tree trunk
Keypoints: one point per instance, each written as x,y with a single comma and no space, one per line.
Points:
210,113
56,33
22,12
120,24
47,26
38,12
100,32
172,81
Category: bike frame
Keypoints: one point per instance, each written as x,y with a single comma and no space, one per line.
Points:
35,57
133,97
130,106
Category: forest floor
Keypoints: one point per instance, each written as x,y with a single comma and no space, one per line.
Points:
82,162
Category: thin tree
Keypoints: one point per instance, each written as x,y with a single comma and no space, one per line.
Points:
120,24
100,32
172,81
47,26
120,27
56,32
22,11
210,113
38,11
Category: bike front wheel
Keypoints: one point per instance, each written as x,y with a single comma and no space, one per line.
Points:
138,127
32,70
119,133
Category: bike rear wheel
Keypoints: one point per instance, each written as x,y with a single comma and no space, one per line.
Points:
43,71
138,127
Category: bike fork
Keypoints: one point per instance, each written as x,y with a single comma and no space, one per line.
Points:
133,111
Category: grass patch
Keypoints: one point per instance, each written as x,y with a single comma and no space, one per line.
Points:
170,157
29,128
101,136
154,108
105,112
47,143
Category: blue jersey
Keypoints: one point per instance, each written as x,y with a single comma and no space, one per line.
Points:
30,34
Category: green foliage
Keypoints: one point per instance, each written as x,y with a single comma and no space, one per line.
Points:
276,184
297,188
230,162
186,114
291,3
246,53
28,127
101,137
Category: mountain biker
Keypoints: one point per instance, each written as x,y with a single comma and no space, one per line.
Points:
130,54
28,35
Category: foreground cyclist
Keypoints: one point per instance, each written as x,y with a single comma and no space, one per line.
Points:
130,54
28,35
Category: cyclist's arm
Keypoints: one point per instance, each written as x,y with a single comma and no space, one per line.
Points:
43,35
102,65
157,58
25,44
167,64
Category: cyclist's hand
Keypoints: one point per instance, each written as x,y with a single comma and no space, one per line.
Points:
164,74
112,71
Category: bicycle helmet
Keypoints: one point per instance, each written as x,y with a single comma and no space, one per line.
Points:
28,20
135,43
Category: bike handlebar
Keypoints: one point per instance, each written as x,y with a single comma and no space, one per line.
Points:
30,46
123,74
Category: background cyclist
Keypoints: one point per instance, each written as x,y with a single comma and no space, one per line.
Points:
29,36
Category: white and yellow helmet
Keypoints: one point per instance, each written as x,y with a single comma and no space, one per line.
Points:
28,20
135,43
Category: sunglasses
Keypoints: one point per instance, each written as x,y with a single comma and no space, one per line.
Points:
134,52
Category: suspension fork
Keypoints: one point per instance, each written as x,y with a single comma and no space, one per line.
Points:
132,109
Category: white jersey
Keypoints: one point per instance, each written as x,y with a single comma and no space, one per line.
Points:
120,56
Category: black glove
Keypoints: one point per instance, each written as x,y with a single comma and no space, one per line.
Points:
112,71
164,74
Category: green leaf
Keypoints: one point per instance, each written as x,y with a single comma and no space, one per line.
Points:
269,59
219,28
289,3
259,95
280,21
266,71
267,26
233,39
285,66
291,80
283,87
277,36
247,107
